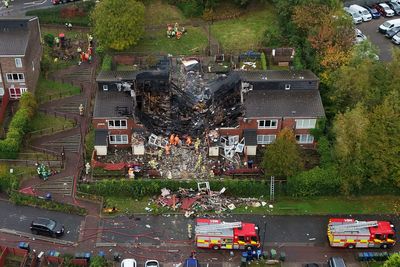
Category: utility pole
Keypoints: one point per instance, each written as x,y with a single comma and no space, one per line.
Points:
272,189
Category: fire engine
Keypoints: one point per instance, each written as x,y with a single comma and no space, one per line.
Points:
217,234
350,233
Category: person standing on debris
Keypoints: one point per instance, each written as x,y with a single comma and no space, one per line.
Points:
167,149
177,140
159,154
87,168
189,141
81,110
189,231
172,139
6,3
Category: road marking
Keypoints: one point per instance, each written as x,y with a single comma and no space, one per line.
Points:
35,3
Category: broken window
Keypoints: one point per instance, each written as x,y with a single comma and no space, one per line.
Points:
267,124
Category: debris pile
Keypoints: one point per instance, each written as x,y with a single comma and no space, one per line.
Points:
203,200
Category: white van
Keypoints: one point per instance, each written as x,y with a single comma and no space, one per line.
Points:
387,25
366,16
357,19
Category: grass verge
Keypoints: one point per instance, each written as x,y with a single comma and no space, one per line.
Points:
244,33
48,90
159,12
157,42
40,124
126,205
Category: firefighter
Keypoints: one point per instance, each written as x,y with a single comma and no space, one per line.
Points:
189,231
189,141
172,139
177,141
197,144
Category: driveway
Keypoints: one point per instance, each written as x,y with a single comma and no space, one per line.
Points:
19,218
385,45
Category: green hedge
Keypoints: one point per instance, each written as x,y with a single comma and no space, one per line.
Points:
19,126
8,182
263,61
22,199
141,188
315,182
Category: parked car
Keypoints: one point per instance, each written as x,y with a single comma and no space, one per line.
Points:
311,265
395,7
392,32
45,226
389,24
356,17
151,263
56,2
374,13
396,38
336,262
384,9
359,36
365,15
128,263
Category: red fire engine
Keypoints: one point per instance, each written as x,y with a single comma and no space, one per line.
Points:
350,233
217,234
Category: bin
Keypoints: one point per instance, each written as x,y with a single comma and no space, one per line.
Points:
24,245
282,256
273,254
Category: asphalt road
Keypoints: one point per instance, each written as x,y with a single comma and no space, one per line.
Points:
385,45
19,218
19,7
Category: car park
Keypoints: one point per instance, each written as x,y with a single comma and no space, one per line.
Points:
384,9
365,15
46,226
374,13
336,262
356,17
395,7
392,32
128,263
396,39
389,24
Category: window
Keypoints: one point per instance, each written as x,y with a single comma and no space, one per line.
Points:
306,124
15,93
18,62
118,139
1,91
117,124
105,87
15,77
267,124
287,86
265,139
304,138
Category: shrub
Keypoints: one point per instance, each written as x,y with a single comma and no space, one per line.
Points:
190,8
107,63
10,146
263,61
315,182
49,39
141,188
8,182
272,37
21,199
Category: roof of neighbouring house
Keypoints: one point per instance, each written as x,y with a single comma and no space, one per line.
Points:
284,103
116,76
100,137
109,104
14,36
250,137
277,75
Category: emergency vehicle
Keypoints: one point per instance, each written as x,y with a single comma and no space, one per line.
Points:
350,233
216,234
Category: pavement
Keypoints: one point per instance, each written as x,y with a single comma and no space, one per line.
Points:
19,7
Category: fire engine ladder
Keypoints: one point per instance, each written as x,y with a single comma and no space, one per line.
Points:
213,227
353,226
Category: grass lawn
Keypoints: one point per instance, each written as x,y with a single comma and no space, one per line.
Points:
244,33
372,264
47,90
159,12
49,124
157,42
126,205
327,205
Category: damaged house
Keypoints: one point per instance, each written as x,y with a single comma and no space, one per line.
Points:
183,97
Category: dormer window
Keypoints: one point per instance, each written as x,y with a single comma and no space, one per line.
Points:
287,86
105,87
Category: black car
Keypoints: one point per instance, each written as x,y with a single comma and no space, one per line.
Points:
392,32
45,226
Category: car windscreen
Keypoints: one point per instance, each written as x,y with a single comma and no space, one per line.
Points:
365,12
387,24
51,225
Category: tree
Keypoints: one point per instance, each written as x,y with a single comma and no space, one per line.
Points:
393,261
118,24
282,158
350,131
